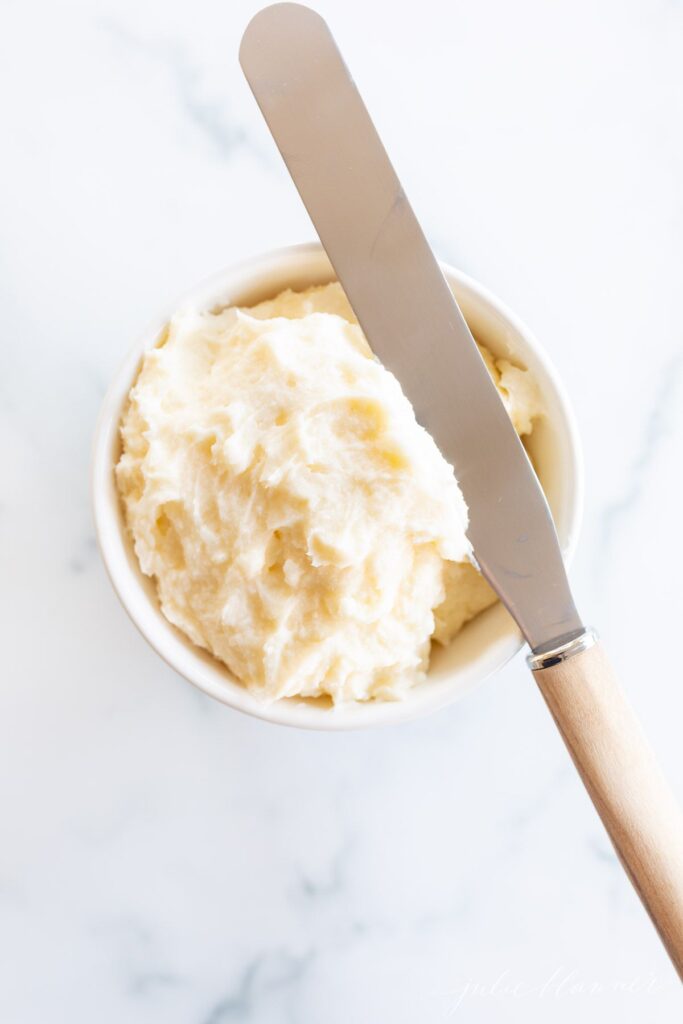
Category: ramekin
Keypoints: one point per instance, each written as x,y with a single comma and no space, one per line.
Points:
483,646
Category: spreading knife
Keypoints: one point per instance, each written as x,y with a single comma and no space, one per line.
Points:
415,327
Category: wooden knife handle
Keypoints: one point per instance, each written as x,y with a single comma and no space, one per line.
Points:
630,794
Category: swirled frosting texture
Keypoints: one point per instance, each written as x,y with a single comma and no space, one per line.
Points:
299,524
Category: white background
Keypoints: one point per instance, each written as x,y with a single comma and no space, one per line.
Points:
163,859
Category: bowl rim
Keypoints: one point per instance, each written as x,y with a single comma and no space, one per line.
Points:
114,545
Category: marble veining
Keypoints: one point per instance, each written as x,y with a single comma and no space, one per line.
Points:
162,859
210,114
658,423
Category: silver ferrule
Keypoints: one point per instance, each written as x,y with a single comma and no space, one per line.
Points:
547,657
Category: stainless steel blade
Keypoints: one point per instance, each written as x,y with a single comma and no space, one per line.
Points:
405,307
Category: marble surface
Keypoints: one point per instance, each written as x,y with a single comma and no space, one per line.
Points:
163,859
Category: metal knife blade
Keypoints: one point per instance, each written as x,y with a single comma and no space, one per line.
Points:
406,309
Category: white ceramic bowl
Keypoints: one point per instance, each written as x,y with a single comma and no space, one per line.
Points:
483,646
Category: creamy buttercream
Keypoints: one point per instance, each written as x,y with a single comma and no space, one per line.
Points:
299,523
